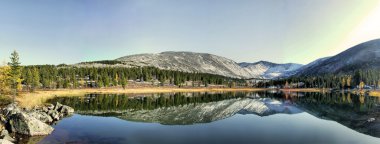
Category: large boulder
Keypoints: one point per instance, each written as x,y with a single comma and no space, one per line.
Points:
42,116
23,123
3,120
31,122
5,135
3,141
58,106
49,106
10,110
54,114
66,110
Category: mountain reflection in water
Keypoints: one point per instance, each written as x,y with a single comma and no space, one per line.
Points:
358,112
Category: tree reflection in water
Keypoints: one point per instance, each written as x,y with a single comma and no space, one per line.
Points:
358,112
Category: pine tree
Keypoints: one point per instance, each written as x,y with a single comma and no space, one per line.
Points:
116,83
15,73
100,84
123,82
29,79
82,83
36,79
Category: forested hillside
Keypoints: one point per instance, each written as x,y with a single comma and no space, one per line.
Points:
358,79
52,77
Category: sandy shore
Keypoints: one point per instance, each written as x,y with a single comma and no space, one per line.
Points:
39,97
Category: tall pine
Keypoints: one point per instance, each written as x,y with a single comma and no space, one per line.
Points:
15,73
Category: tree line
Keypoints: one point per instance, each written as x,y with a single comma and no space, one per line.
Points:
53,77
348,80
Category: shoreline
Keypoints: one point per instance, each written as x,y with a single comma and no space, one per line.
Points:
31,99
39,97
304,90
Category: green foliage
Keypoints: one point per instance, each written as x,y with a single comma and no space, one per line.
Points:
32,78
4,100
53,77
5,80
15,72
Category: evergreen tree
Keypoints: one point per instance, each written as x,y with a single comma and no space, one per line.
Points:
15,73
116,81
123,82
28,79
36,79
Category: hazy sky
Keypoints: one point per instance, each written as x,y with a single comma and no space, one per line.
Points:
71,31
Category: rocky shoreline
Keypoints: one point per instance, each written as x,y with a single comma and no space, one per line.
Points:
35,122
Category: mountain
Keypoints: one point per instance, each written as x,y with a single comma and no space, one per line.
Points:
363,56
313,63
208,63
188,62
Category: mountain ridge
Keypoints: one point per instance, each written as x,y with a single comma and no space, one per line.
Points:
209,63
362,56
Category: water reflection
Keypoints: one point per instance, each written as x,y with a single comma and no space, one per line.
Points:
358,112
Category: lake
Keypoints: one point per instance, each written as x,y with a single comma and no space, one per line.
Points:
220,118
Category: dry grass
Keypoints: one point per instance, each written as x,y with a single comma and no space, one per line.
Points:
375,93
29,100
304,90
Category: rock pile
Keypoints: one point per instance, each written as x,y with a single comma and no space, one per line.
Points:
32,122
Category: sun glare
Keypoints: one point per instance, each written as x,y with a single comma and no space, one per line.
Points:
367,29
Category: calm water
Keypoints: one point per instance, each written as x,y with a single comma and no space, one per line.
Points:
227,118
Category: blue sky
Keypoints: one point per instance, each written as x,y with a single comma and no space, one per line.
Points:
71,31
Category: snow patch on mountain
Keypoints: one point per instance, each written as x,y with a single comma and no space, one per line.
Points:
268,70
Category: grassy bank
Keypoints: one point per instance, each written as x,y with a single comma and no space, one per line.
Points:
374,93
39,97
304,90
4,100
